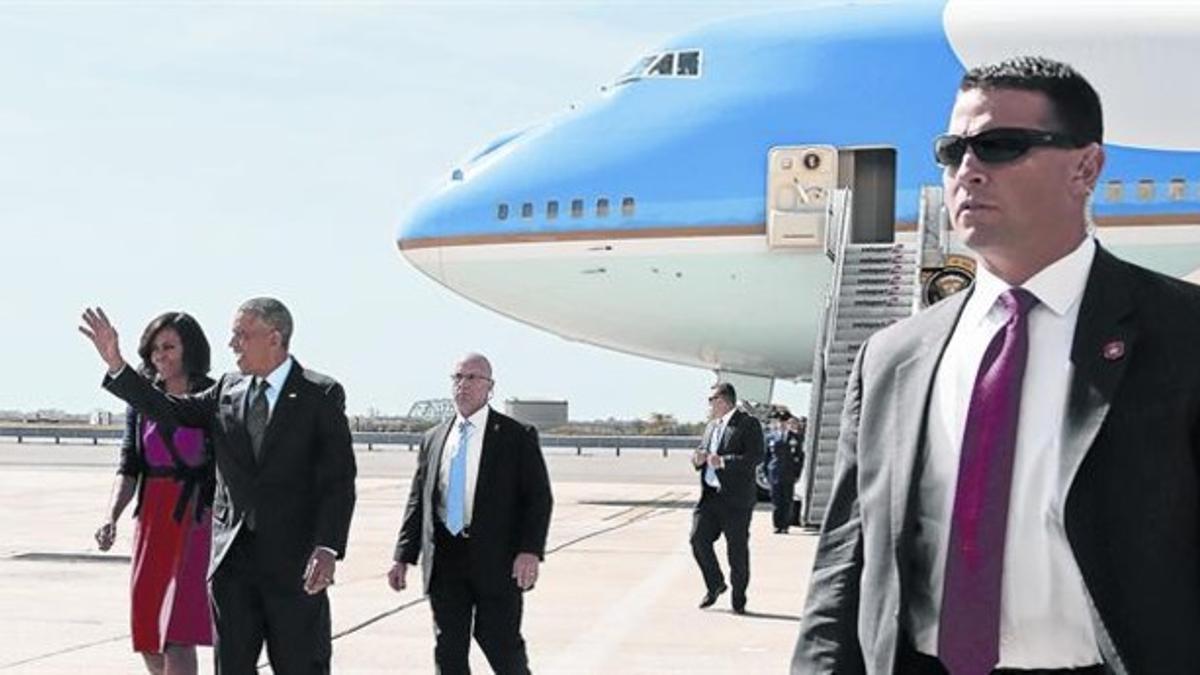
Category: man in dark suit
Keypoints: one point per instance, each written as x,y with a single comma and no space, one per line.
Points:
729,453
477,516
1018,473
285,487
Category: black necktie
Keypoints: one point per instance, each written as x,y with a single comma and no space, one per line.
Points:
257,415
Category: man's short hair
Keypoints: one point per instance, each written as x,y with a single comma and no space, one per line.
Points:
1075,103
273,313
726,391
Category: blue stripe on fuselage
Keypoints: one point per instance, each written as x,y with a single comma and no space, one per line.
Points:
692,152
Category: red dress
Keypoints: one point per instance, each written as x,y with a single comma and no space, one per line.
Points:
170,555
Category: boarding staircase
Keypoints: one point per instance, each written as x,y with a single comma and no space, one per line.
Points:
873,285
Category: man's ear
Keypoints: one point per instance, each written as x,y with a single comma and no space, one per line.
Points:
1088,169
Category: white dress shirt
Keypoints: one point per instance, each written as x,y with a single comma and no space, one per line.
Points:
1044,620
714,444
275,381
478,422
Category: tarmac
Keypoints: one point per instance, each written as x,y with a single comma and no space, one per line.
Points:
617,592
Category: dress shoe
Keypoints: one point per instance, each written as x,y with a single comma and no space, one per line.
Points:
711,596
739,609
738,604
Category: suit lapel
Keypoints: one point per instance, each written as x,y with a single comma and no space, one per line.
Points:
434,467
237,400
285,405
914,383
1105,337
727,432
487,459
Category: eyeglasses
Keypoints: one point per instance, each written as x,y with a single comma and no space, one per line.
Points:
995,146
468,378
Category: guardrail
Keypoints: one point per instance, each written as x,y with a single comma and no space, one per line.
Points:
371,439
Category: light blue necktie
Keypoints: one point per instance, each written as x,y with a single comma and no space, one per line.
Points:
714,444
456,492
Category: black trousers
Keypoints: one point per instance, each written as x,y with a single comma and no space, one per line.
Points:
782,493
250,606
464,605
712,518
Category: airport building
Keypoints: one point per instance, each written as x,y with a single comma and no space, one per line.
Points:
545,414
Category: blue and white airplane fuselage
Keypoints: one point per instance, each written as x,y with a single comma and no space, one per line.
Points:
637,221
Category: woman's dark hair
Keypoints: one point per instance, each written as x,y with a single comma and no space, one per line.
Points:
197,357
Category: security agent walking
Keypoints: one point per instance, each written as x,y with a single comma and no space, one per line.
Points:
726,460
284,492
1017,484
477,518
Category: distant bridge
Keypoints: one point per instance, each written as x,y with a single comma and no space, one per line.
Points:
371,439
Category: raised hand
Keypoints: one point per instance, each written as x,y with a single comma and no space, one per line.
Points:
100,331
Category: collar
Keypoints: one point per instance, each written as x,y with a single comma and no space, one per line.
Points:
724,421
1058,287
478,419
277,377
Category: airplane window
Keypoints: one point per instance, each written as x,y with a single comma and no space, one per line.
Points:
551,210
689,64
1177,189
527,210
602,207
665,65
576,208
502,212
636,70
1114,191
627,207
1145,190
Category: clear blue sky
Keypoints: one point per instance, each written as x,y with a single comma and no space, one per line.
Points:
188,156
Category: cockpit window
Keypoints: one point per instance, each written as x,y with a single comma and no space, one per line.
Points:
679,63
688,64
664,66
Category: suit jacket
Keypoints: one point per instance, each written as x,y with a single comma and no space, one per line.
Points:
1132,510
742,449
511,510
786,458
301,488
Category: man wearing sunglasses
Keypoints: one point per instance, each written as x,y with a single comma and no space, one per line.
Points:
477,517
728,455
1018,472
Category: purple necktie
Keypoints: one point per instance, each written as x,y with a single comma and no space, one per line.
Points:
969,625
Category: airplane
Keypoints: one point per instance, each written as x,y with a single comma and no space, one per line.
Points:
639,221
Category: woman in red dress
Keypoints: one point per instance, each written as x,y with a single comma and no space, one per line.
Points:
170,471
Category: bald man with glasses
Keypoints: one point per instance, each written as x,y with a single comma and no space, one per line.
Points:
1017,486
477,517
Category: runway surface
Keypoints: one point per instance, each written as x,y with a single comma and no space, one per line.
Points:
617,593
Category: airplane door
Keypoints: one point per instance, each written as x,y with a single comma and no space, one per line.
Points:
800,184
870,173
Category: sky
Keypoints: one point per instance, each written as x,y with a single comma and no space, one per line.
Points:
187,156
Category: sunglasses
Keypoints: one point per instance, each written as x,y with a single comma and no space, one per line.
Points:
997,145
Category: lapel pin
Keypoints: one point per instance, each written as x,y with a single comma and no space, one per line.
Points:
291,394
1114,350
